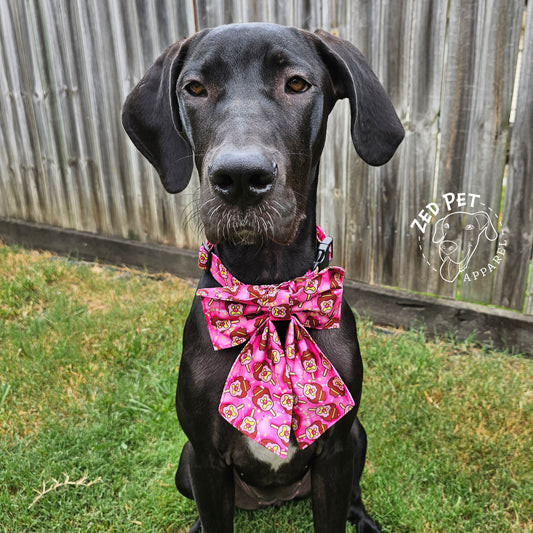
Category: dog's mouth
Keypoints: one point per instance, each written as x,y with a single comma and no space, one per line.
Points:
451,251
270,221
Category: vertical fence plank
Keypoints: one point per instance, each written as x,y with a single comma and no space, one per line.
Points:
393,45
333,171
78,156
332,179
143,181
517,223
456,103
361,20
337,195
154,28
418,154
129,168
44,121
86,68
333,167
498,35
31,196
13,193
57,135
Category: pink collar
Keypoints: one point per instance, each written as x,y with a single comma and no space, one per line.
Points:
272,388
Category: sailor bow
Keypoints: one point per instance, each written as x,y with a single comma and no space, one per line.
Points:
271,388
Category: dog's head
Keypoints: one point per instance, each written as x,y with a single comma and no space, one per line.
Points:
458,235
250,103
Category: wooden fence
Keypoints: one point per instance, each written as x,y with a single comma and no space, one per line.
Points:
451,67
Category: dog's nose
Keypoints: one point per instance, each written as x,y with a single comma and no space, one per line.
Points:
242,177
449,247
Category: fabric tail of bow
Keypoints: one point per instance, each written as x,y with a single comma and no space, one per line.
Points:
322,398
257,397
282,389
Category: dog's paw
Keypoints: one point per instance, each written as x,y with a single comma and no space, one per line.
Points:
358,517
367,525
197,527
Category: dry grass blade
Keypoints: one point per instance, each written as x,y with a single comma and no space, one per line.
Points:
57,484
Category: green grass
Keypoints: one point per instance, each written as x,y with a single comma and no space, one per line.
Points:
89,441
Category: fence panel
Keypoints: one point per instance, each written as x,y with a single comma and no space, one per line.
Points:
66,67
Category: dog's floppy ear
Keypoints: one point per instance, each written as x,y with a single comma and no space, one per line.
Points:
151,119
438,232
485,224
376,129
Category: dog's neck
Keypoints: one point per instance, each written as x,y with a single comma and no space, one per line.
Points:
270,263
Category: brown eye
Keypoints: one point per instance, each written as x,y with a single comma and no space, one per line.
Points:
195,88
298,85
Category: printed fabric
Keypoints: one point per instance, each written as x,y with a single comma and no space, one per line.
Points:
271,388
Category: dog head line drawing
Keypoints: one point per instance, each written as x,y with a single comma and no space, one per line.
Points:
454,229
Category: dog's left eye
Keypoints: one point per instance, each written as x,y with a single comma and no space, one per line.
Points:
195,88
298,85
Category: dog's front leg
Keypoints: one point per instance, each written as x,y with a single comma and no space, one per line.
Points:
214,493
331,478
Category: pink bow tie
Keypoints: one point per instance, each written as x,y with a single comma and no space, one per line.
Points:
272,388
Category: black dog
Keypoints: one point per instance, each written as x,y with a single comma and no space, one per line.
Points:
251,103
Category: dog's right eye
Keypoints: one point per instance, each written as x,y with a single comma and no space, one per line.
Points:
298,85
195,88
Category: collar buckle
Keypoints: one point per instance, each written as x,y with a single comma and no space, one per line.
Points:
324,253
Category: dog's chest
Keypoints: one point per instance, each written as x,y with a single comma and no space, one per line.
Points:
262,454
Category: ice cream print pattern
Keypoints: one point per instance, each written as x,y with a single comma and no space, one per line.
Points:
271,388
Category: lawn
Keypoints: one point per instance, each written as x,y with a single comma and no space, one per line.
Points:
89,441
